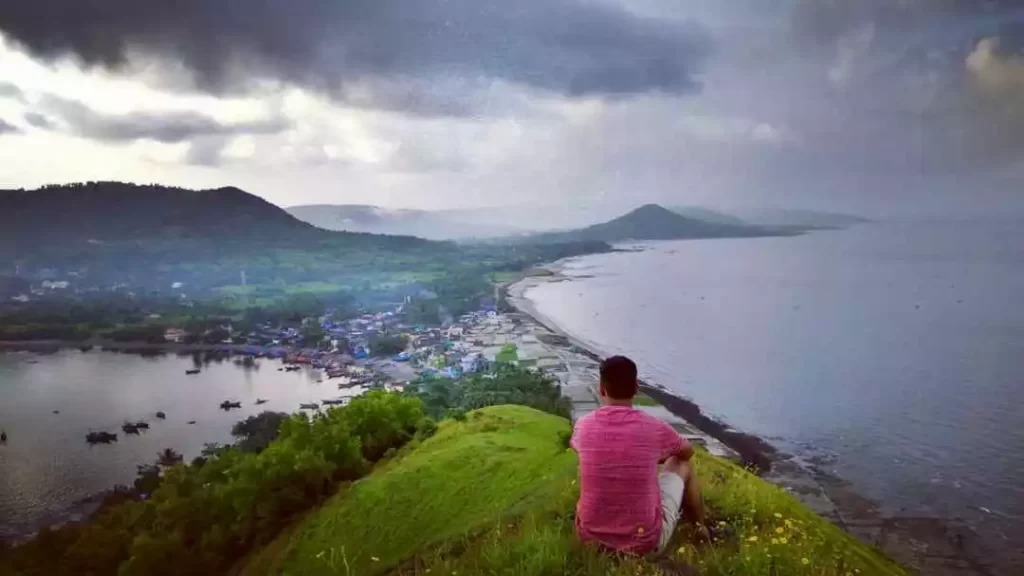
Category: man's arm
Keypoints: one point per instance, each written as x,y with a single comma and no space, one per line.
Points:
674,445
685,451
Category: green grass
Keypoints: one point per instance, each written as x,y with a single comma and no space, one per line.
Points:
495,494
508,353
642,399
505,277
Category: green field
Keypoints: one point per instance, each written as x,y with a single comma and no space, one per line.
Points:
495,493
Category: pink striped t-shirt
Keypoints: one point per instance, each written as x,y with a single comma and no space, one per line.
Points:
620,503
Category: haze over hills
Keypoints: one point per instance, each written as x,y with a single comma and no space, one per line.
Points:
799,217
519,221
708,215
654,222
432,224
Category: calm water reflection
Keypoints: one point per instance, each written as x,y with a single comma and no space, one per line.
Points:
47,466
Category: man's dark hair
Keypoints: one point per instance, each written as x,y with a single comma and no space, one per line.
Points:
618,377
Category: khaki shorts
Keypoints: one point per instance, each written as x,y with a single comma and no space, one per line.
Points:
671,486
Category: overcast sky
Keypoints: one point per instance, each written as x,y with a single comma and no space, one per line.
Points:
874,106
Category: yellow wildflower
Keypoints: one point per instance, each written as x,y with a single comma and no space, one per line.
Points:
752,539
783,540
775,540
778,530
777,515
374,558
789,523
805,560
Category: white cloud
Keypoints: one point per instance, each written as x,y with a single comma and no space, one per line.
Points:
850,49
995,72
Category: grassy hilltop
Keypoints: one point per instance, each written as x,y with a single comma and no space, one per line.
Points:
495,493
379,487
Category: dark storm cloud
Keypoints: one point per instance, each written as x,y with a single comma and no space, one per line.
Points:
167,127
573,47
917,85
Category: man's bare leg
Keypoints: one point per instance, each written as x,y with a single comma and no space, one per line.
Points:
693,504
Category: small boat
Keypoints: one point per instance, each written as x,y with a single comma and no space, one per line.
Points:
335,402
142,425
56,411
161,415
3,437
261,401
228,405
310,406
130,428
100,437
191,422
192,371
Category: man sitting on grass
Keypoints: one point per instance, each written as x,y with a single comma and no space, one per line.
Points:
626,504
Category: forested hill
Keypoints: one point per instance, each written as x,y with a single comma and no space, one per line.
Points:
101,234
97,237
113,211
654,222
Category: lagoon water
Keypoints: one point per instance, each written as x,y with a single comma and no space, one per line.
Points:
47,467
892,354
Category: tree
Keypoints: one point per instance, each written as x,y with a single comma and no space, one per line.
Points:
255,433
384,345
169,457
312,334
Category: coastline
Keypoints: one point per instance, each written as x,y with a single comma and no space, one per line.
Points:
929,545
753,451
49,346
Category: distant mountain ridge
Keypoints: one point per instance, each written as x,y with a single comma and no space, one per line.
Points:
708,215
800,217
431,224
654,222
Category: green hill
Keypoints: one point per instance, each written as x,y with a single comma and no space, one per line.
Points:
654,222
99,212
495,494
99,235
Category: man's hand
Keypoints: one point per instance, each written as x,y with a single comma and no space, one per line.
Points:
686,452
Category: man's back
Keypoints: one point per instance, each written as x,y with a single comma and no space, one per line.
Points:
619,449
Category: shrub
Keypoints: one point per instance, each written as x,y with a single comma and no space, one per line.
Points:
200,519
426,428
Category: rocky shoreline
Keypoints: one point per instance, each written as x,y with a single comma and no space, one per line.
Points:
931,546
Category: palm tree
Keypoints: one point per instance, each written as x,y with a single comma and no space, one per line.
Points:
168,457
